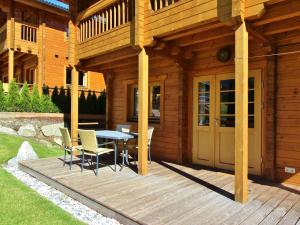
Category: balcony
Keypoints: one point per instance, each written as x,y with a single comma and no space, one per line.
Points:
26,38
104,27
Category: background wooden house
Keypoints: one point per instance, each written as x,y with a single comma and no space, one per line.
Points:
34,40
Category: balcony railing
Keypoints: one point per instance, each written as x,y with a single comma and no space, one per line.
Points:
106,19
159,4
28,33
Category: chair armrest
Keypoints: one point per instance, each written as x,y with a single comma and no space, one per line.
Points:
77,147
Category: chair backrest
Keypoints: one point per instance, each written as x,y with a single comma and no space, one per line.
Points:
66,137
88,140
125,128
150,134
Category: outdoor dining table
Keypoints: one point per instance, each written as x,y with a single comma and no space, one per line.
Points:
115,136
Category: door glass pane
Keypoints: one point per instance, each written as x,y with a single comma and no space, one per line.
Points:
203,103
227,85
227,121
228,96
227,103
204,109
227,108
204,86
203,120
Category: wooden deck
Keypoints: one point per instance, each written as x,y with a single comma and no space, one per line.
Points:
170,194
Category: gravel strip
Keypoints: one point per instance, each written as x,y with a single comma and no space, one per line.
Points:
78,210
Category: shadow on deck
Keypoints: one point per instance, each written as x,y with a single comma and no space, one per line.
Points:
170,194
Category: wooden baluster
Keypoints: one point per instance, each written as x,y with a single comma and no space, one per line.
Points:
93,26
30,33
99,24
110,18
106,20
155,5
160,4
119,14
90,28
115,16
81,32
102,21
123,12
86,30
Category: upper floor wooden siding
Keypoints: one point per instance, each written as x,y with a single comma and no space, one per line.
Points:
109,25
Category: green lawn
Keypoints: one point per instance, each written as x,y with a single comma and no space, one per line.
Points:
18,203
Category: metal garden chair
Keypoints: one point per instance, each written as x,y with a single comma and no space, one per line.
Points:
67,144
150,134
91,147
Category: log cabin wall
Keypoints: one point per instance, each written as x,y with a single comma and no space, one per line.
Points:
165,145
288,114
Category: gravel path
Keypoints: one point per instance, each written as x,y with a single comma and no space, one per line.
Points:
78,210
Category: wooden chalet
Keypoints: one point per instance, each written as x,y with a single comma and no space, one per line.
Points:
218,79
34,46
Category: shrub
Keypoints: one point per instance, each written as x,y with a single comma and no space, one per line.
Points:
25,100
35,100
2,98
13,98
47,106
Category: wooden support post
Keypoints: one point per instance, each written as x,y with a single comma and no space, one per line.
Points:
11,65
241,110
11,41
74,105
143,112
41,55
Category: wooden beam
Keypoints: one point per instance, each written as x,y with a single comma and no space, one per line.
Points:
282,26
257,35
278,12
109,57
143,70
241,112
205,36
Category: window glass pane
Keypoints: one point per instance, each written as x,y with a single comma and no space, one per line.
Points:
204,86
251,82
251,108
203,120
251,122
81,78
227,108
227,121
227,96
227,85
155,102
251,96
135,102
69,76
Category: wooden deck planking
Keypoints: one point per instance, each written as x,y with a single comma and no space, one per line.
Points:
172,194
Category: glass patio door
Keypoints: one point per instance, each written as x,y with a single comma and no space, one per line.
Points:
214,126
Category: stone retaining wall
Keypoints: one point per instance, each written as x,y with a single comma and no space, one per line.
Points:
41,126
